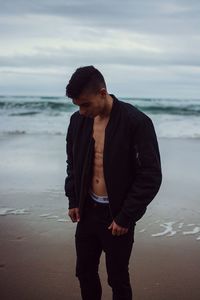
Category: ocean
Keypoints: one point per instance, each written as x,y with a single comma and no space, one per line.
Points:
172,118
34,162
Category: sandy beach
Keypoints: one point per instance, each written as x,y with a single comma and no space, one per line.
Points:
37,238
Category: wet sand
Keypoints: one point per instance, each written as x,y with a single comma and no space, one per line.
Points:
37,238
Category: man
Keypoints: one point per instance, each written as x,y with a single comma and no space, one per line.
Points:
113,173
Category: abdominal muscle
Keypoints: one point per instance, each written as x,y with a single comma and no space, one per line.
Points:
98,185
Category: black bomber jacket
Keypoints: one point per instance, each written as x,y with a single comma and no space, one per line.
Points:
131,162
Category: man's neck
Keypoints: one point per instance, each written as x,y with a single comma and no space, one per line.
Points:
107,109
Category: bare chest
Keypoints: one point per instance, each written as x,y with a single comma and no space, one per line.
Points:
99,135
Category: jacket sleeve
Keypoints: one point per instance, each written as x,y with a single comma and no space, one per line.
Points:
148,174
69,186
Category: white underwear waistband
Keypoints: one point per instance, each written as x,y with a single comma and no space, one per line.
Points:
100,199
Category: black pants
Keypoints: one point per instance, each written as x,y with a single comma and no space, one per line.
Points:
92,236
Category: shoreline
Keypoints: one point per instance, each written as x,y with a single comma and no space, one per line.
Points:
37,237
38,262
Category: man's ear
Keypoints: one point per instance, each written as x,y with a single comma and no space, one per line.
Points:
103,92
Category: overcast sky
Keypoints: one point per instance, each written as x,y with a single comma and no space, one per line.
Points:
143,48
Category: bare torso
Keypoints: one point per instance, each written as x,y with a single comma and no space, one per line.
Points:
98,182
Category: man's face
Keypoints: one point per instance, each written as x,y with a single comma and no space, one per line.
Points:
91,104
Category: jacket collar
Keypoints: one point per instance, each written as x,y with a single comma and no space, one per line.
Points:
115,103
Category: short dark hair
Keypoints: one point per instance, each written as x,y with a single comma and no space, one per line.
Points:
86,78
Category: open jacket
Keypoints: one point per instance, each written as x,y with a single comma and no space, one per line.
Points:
131,162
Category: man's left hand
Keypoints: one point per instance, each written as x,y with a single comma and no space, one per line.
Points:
116,229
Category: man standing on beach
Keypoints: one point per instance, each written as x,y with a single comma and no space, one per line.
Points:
113,173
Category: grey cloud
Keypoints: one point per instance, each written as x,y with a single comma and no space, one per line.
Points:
72,56
171,27
150,16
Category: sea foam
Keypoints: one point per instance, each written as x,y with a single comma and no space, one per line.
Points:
13,211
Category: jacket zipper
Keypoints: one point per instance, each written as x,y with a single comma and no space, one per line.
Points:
83,176
137,155
110,208
105,176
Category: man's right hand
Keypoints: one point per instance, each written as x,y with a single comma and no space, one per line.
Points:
74,214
